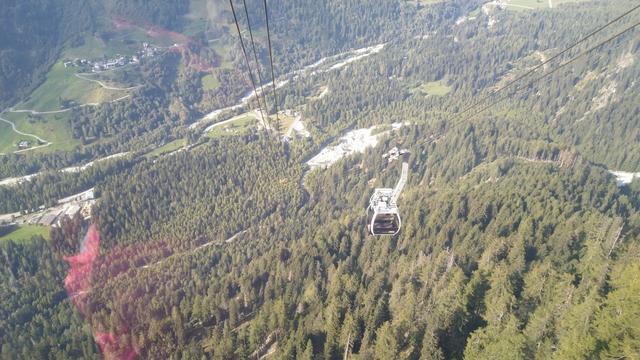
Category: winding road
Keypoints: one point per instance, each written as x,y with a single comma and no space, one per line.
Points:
13,126
83,76
35,112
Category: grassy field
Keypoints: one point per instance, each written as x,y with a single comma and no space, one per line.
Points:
222,49
424,2
9,139
197,10
167,148
210,82
434,88
196,26
128,76
475,13
239,126
527,4
134,38
536,4
61,84
24,233
558,2
285,122
123,42
95,48
51,127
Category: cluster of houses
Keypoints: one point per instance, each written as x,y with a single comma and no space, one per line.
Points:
147,51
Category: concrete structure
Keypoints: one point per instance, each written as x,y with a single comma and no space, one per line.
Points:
48,219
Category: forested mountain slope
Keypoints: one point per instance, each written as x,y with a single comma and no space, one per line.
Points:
206,38
32,34
517,243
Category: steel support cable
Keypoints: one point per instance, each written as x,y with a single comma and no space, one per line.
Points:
582,40
255,57
246,58
460,121
561,66
273,77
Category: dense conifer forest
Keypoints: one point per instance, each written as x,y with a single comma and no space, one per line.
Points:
517,242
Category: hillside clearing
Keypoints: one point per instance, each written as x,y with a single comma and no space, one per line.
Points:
434,88
167,148
524,5
424,2
9,139
24,233
235,126
210,82
63,89
51,127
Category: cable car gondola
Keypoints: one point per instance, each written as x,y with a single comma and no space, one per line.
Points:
384,216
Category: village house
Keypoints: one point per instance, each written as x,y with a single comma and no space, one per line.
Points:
24,144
